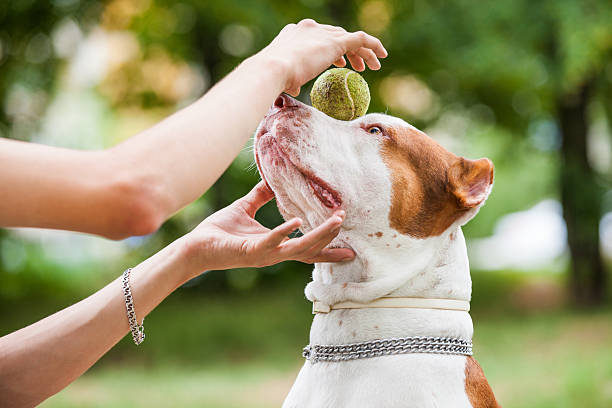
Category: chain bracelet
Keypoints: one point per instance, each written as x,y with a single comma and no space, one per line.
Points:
385,347
137,330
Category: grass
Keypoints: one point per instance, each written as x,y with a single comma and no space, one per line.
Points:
243,351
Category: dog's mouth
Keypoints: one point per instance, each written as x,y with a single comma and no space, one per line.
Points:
269,146
327,195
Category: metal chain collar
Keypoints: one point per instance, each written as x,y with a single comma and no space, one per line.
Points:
376,348
137,330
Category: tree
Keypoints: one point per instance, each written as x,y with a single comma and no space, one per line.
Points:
527,61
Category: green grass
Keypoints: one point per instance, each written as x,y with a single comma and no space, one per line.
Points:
243,350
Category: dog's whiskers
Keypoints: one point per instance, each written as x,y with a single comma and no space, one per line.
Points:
251,167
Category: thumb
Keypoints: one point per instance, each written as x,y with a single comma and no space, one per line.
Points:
256,198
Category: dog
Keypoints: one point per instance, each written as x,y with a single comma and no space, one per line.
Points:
405,199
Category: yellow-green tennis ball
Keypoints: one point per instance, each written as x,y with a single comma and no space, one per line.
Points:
341,93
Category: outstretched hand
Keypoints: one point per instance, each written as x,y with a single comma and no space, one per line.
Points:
232,238
307,48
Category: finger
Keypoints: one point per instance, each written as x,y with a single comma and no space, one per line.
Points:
340,62
304,252
295,92
256,198
356,61
279,234
333,255
314,250
370,58
317,247
356,40
325,232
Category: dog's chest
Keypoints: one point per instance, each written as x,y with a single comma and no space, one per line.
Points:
411,380
414,380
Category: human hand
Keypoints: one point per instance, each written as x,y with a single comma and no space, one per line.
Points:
307,48
232,238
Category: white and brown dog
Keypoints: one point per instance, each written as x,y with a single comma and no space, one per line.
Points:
405,199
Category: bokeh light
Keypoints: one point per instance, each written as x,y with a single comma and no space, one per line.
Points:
408,95
236,40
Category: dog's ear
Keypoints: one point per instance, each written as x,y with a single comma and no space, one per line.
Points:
470,181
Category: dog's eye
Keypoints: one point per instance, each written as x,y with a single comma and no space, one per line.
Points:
374,130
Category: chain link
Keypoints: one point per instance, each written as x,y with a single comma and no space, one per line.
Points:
137,330
384,347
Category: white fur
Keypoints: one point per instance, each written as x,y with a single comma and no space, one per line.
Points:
347,157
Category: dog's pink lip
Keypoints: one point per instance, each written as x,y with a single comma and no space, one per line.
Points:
329,197
261,133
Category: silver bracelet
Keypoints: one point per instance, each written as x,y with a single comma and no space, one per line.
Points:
137,330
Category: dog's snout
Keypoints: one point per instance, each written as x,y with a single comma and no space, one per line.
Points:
279,102
284,101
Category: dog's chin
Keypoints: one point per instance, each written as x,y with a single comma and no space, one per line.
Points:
297,200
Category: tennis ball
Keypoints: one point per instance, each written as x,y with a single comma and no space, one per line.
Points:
341,93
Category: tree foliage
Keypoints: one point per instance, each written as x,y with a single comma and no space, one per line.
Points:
495,75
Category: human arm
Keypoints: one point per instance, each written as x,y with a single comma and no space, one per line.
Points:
132,188
43,358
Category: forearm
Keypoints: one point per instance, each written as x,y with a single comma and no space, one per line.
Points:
41,359
51,187
187,152
132,188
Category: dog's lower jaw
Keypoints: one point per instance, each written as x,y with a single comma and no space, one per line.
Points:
436,268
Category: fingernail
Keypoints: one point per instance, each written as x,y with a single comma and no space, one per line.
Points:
346,258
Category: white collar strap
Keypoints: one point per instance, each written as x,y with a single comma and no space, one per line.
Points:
396,303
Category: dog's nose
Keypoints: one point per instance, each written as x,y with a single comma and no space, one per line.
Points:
284,101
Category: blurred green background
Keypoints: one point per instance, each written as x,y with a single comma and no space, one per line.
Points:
527,84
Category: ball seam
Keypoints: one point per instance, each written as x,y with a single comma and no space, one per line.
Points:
348,92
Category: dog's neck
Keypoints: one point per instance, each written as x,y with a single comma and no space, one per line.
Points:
434,268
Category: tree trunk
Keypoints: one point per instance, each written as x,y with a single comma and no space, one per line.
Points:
581,200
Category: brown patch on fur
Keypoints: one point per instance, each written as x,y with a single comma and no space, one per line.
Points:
477,387
379,234
345,284
354,333
370,235
376,327
431,187
339,322
331,270
398,245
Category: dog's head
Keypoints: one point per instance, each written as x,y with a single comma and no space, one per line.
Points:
392,180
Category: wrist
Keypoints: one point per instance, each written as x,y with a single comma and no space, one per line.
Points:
270,69
190,253
176,260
